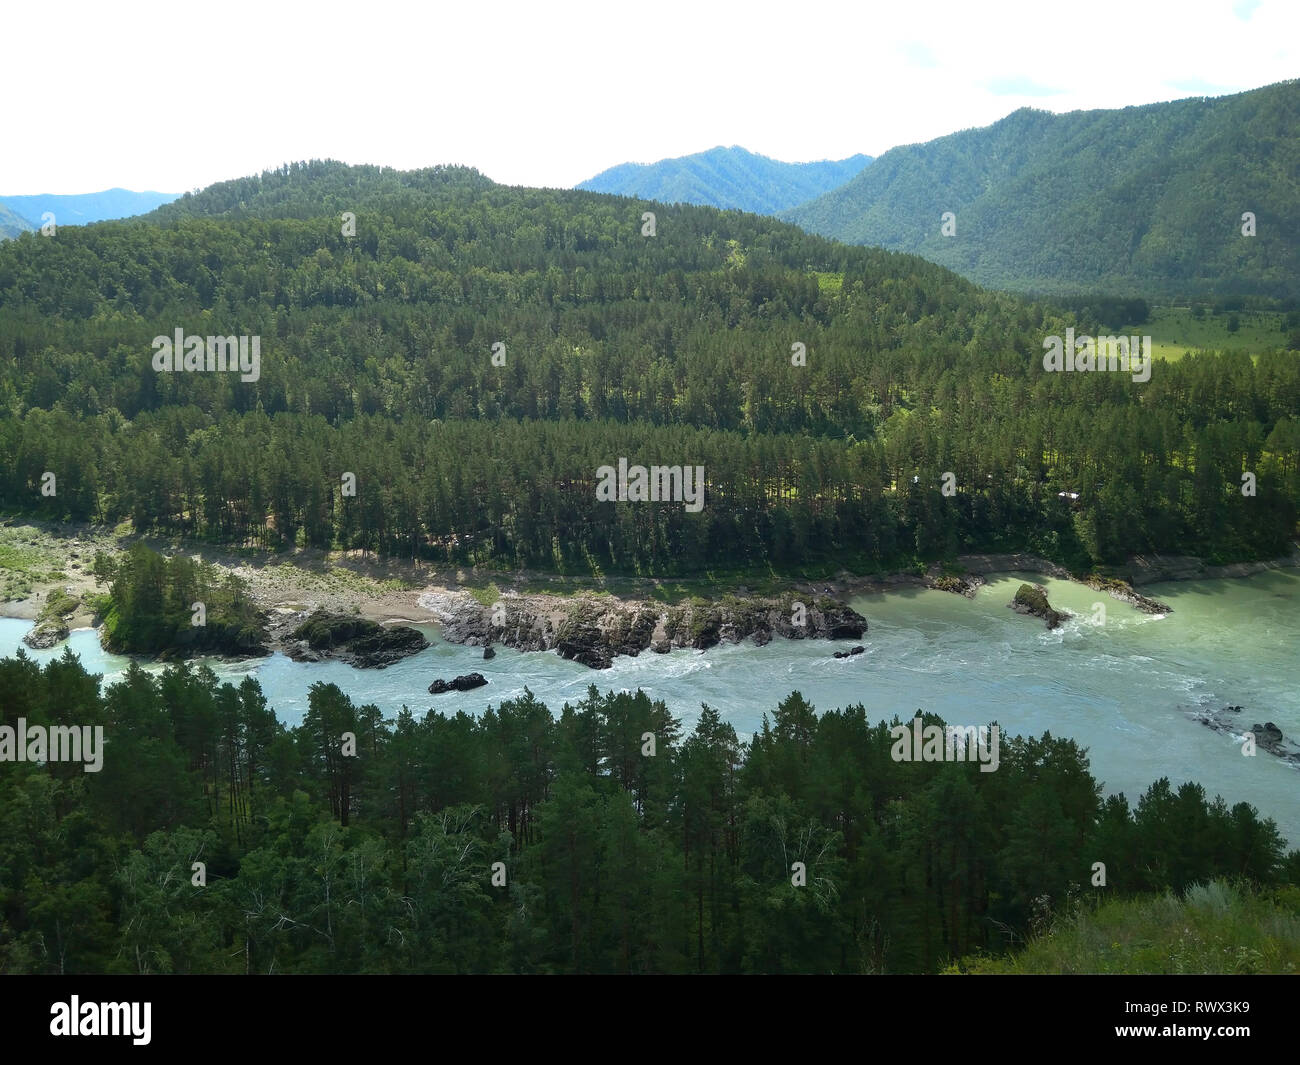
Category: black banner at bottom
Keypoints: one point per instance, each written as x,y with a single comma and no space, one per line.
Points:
225,1015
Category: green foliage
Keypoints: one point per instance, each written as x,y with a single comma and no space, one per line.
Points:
1113,312
58,606
1175,331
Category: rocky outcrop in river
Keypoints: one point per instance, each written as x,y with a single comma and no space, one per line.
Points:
1032,599
1268,737
357,641
594,630
1125,593
46,634
963,584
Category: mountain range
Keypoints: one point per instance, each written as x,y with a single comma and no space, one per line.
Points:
1167,201
1144,199
728,178
80,208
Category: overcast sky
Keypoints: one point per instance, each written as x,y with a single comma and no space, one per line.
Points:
167,96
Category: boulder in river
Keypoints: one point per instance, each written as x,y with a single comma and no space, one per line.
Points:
460,684
1032,599
850,652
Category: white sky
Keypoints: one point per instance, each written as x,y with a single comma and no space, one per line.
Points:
172,95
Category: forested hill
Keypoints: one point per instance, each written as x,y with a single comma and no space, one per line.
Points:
324,187
1147,200
475,352
728,177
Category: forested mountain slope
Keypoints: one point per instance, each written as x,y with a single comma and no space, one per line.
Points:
474,352
1144,199
729,178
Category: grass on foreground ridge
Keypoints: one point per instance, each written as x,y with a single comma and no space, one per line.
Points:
1217,927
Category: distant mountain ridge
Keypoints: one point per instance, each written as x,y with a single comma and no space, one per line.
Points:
81,209
12,223
727,178
1143,199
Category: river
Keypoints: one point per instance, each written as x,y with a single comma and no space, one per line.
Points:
1121,687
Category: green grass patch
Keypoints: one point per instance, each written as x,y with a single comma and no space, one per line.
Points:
29,559
1175,331
485,595
24,563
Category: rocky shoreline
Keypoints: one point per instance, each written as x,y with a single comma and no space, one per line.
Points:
968,583
1126,593
590,626
591,630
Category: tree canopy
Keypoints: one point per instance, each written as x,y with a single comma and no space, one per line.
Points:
527,841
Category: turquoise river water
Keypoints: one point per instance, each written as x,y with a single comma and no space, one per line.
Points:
1123,686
